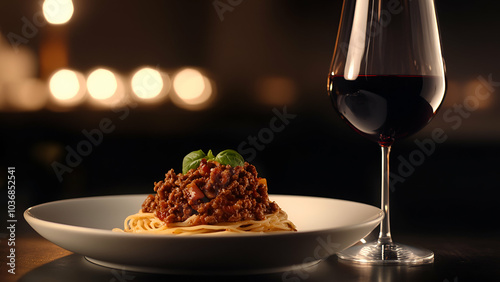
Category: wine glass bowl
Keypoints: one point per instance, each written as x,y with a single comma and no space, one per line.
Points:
385,108
387,81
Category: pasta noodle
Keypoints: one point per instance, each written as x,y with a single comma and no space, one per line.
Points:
148,223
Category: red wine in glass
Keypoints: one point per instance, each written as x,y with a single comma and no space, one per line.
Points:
384,108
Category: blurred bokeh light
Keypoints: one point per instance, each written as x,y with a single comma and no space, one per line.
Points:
58,11
102,84
276,90
106,88
28,95
189,84
149,84
67,87
193,90
16,64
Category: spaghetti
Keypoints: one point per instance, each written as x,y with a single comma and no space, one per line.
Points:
150,224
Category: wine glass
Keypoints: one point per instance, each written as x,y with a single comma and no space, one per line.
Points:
387,81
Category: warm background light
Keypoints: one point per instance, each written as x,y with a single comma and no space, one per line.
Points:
64,85
192,89
58,11
147,83
276,90
16,64
28,95
67,87
102,84
17,70
189,84
203,96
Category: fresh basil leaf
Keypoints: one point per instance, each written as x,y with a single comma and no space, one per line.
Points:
210,156
230,157
192,160
226,157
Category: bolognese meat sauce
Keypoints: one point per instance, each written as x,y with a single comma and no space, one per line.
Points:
214,192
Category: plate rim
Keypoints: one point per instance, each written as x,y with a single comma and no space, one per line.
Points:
97,231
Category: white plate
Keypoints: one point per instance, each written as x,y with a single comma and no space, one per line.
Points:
325,226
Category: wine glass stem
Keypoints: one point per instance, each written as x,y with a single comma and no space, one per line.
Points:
385,228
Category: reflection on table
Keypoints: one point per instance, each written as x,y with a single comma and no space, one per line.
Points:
457,259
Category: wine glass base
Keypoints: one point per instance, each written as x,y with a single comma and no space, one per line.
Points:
386,254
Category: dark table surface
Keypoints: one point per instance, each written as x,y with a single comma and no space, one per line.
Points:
458,258
447,204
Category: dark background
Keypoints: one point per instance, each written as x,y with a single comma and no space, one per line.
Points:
454,190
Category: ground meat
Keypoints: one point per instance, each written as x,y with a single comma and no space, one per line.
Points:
214,192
